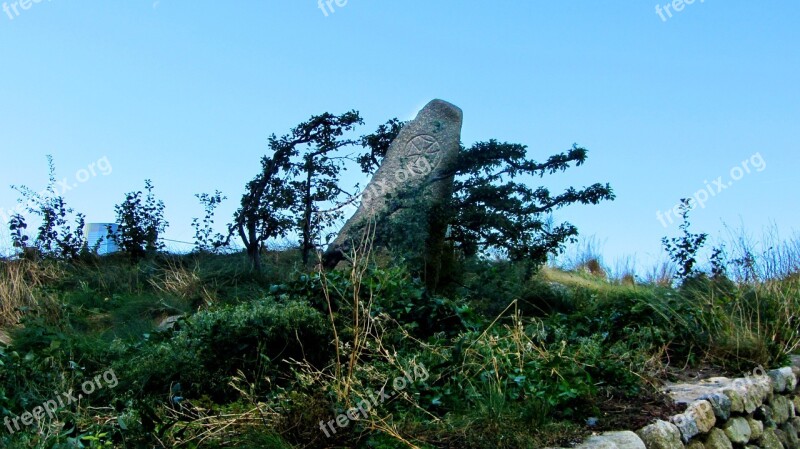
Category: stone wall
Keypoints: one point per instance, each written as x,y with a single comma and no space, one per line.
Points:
758,411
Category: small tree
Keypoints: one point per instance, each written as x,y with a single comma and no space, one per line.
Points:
265,210
204,238
55,237
496,212
17,227
318,173
683,250
719,263
300,176
140,220
492,211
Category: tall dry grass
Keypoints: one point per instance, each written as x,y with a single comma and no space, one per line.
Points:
754,317
177,280
764,258
764,317
20,281
351,375
758,324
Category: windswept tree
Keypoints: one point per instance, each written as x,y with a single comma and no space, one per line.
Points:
494,207
296,182
265,210
318,142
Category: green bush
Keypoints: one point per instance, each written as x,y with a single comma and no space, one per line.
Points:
209,347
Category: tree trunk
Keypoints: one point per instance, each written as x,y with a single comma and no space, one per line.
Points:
308,203
251,243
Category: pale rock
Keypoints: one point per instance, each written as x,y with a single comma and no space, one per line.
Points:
661,435
756,428
687,426
703,414
625,440
717,439
721,405
780,409
769,440
597,442
737,401
737,430
406,200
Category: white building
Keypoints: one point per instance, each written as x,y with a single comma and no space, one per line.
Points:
97,237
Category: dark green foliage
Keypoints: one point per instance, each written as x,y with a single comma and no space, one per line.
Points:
632,311
301,175
204,238
212,345
683,250
253,440
55,237
44,359
496,211
265,206
394,292
493,285
508,353
17,226
318,142
414,309
141,220
378,144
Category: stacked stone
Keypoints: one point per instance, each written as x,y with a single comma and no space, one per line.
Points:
758,412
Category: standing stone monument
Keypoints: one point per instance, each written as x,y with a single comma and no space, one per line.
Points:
406,202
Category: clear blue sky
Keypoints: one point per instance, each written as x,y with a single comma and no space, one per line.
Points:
187,92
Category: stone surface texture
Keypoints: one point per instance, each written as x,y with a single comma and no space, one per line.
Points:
717,439
406,199
661,435
756,428
738,430
769,440
759,411
625,440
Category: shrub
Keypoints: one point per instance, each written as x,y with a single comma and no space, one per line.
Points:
492,285
204,239
209,347
141,220
683,250
55,237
